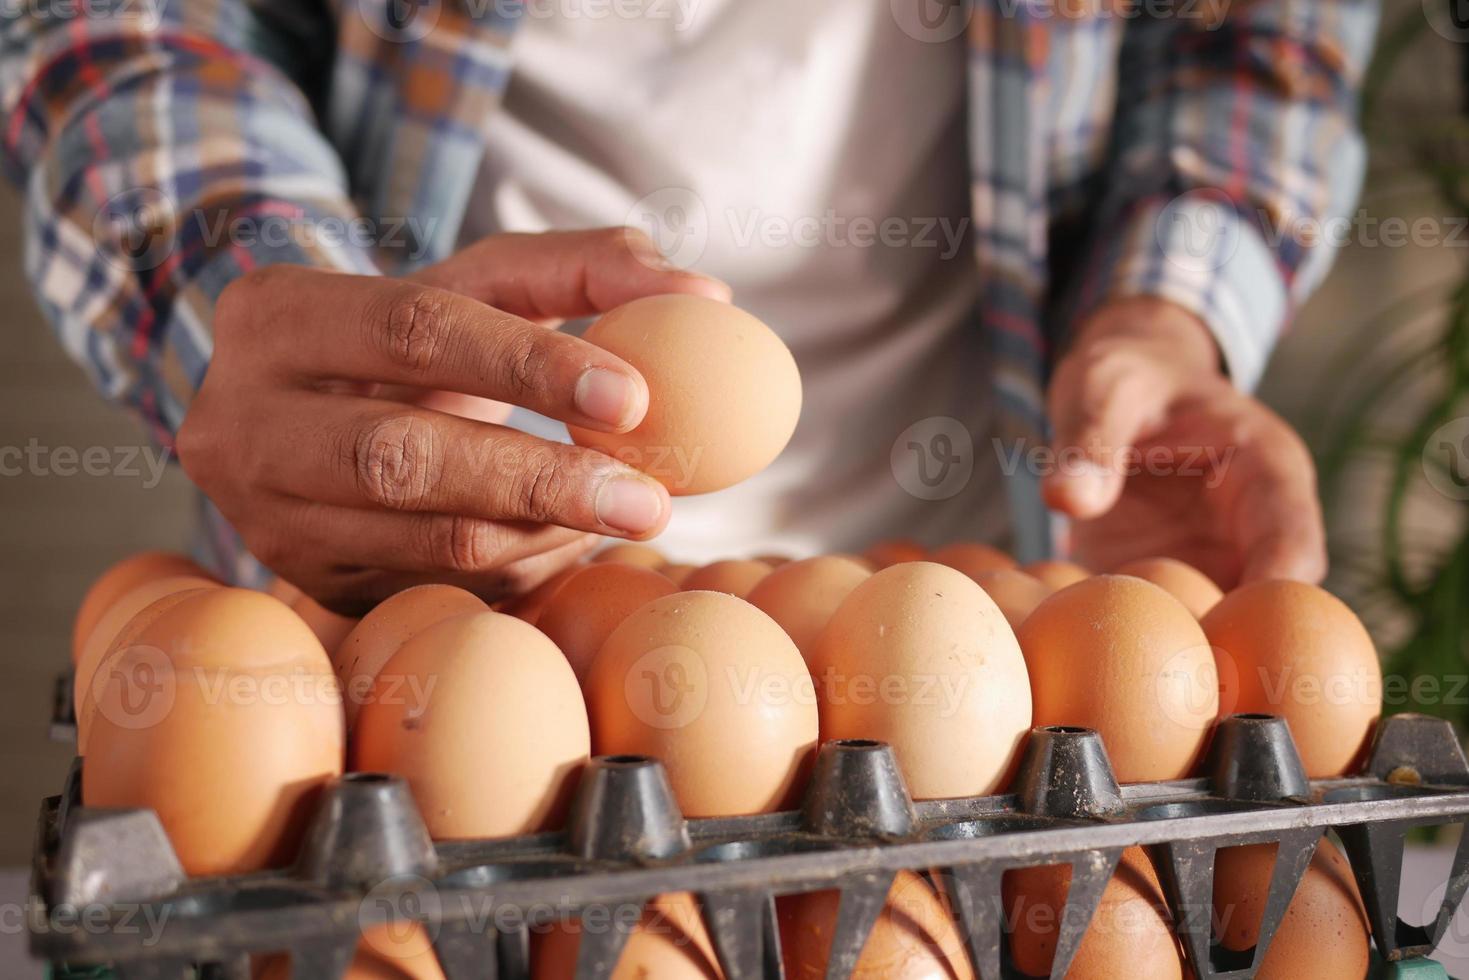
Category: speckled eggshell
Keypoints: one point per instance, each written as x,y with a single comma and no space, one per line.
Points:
593,603
1016,593
919,657
393,622
736,577
1187,584
670,942
1122,656
802,595
1295,650
483,717
1130,934
224,717
915,936
714,688
724,391
972,558
1324,935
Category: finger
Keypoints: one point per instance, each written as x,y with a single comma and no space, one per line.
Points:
556,275
354,591
434,544
1099,409
402,333
367,453
1281,529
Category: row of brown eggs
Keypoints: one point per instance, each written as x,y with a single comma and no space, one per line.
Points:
950,659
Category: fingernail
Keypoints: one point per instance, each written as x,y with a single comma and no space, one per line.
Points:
629,504
608,397
708,286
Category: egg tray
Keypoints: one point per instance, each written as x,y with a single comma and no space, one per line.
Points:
101,878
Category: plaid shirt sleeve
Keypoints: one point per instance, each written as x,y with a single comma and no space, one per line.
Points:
162,153
1235,145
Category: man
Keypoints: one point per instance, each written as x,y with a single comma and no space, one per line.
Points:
1130,180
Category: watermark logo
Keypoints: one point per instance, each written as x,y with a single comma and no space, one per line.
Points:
135,687
401,906
134,229
1198,231
1187,688
1449,19
667,687
677,221
401,21
1446,459
931,21
933,459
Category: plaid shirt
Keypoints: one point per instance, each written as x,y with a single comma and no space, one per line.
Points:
1170,147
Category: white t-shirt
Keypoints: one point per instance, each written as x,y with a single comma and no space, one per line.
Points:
813,156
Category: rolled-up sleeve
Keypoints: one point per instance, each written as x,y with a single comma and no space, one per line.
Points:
1236,164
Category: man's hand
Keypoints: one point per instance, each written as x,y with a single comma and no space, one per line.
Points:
314,433
1160,455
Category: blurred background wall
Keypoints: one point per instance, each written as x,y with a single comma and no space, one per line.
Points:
58,532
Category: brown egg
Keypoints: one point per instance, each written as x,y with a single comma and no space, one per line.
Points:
737,577
774,561
117,616
724,392
121,579
919,657
1130,934
972,558
802,596
593,603
895,552
224,717
1016,593
678,574
1187,584
716,690
631,554
380,633
915,936
330,628
1295,650
668,943
1122,656
480,693
1057,574
1324,935
530,606
392,951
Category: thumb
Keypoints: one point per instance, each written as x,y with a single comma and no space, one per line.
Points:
1098,414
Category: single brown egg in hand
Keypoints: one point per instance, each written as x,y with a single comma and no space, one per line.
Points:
593,603
915,937
972,558
1122,656
480,693
390,624
1295,650
919,657
802,595
1130,934
630,553
668,943
1187,584
1057,574
1324,935
121,579
736,577
724,392
1016,593
224,717
715,689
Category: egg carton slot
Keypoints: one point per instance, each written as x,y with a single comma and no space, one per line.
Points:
367,860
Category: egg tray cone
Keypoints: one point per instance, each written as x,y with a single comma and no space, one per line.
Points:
107,888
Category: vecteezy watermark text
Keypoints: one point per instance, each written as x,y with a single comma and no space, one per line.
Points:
142,463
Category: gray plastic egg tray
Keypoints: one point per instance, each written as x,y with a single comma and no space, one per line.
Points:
107,888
